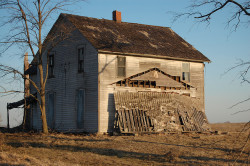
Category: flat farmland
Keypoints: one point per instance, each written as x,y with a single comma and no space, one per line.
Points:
228,147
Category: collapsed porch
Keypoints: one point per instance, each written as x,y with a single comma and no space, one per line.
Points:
138,112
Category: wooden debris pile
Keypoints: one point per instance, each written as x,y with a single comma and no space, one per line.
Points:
132,121
158,112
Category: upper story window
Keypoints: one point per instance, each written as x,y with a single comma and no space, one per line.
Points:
121,66
186,72
81,59
51,65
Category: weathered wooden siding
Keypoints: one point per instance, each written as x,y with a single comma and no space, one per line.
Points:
134,65
67,81
197,80
35,110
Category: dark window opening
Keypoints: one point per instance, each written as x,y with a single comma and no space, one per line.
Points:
81,59
121,66
181,121
51,65
153,83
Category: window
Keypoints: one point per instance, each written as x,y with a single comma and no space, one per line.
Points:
51,65
80,107
186,72
81,59
121,66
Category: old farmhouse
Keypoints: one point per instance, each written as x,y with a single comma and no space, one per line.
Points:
111,75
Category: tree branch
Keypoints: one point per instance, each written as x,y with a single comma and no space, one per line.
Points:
26,26
8,70
213,11
202,10
240,102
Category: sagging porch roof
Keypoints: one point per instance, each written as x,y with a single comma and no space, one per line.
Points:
161,78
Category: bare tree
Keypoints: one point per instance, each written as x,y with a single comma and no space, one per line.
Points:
27,20
204,10
244,67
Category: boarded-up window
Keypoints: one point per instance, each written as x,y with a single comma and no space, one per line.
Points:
51,65
81,59
186,72
80,107
51,110
121,66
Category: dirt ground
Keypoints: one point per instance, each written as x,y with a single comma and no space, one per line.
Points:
228,147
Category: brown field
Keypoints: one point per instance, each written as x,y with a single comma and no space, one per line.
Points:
154,149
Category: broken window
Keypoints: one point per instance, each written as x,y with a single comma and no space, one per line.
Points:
51,65
121,66
81,59
80,107
186,72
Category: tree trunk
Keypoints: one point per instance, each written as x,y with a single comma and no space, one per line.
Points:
43,111
42,95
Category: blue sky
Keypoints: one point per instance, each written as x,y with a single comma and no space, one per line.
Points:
223,47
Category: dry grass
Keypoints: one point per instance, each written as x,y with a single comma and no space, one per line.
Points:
230,127
164,149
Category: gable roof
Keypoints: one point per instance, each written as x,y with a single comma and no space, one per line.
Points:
131,38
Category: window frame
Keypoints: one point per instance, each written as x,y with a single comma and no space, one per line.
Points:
124,66
51,66
80,62
185,72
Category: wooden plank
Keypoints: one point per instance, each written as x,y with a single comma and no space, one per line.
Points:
202,117
139,120
124,121
116,122
199,118
147,121
135,120
144,121
132,120
128,120
120,121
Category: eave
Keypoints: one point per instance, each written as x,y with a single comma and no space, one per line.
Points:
153,56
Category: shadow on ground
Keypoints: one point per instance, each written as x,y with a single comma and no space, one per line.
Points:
166,158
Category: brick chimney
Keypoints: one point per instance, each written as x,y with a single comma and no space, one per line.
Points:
117,16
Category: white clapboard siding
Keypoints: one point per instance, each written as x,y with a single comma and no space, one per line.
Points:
67,81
